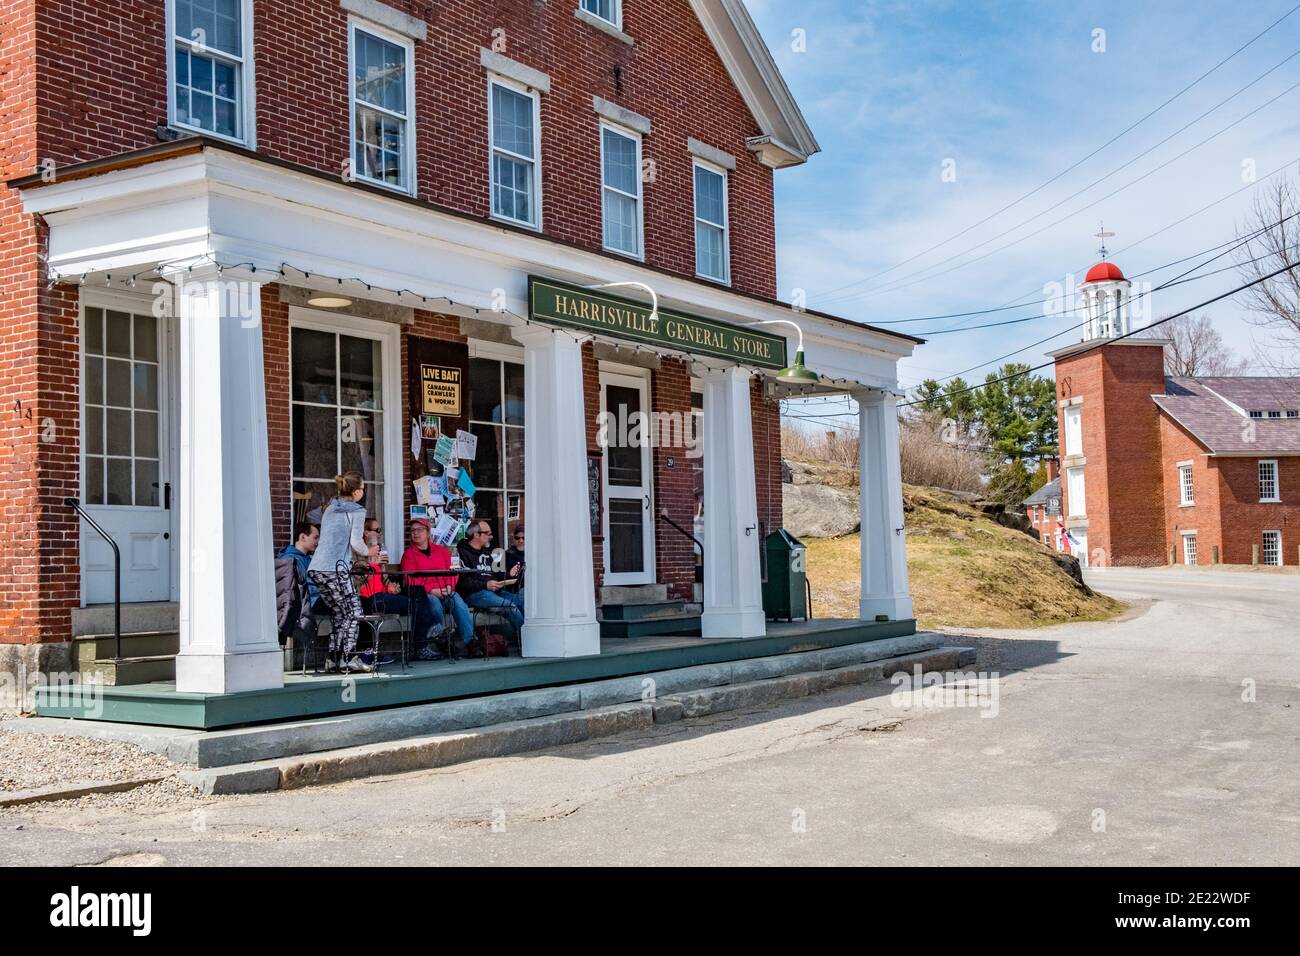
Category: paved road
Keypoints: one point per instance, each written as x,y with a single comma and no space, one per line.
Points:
1121,742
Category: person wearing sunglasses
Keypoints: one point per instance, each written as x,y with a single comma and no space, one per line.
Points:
515,560
486,589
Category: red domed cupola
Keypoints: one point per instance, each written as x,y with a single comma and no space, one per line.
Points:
1104,272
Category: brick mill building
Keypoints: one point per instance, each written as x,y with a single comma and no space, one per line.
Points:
247,245
1170,470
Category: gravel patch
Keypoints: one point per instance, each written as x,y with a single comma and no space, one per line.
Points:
30,761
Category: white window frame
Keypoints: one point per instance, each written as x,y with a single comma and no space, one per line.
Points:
495,79
1189,537
725,278
1078,503
408,141
395,444
1073,429
1277,481
1263,548
633,135
1186,484
244,67
616,7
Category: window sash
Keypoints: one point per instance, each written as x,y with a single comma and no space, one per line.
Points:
594,7
531,181
1271,553
634,228
1073,420
236,62
366,154
1268,490
1185,484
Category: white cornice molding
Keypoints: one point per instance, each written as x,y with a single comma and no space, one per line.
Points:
756,76
255,211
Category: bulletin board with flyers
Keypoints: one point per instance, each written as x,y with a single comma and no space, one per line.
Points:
442,450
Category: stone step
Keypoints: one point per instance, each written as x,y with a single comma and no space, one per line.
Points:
92,647
130,670
640,612
634,594
145,616
685,623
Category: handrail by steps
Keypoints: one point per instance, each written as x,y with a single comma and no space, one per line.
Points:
75,505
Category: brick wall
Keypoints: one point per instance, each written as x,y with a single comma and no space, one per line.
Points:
1203,515
1244,518
674,488
767,456
103,90
1123,489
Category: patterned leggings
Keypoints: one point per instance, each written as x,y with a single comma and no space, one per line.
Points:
340,596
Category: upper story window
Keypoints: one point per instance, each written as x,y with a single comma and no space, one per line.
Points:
1268,480
610,10
711,259
1185,485
381,108
1073,422
620,179
1074,492
211,67
516,172
1256,414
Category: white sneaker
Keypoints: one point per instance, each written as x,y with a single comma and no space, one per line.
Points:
357,666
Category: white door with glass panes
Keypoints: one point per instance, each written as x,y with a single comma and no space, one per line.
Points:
496,418
127,469
629,505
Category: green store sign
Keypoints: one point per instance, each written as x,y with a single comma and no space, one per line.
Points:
558,303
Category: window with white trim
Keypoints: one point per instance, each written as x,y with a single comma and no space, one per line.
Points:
1268,480
1189,549
711,258
516,170
210,66
620,180
1272,552
1074,485
1185,486
608,10
381,108
496,417
1072,421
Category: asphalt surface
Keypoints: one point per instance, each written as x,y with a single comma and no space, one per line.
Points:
1166,737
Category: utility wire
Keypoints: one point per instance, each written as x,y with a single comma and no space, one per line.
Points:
1077,164
1103,342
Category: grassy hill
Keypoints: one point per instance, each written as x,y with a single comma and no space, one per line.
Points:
966,571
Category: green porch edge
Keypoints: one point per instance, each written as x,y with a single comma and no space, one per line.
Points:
319,696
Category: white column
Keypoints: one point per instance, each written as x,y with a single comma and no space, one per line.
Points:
880,498
228,637
560,616
733,602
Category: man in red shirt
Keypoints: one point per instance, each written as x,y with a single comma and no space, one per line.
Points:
424,555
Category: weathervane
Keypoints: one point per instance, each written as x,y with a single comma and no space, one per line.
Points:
1103,235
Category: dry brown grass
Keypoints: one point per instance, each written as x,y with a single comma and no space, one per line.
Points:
966,571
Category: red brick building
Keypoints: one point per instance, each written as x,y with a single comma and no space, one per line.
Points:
240,239
1170,470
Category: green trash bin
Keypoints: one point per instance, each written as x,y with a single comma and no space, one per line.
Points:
785,595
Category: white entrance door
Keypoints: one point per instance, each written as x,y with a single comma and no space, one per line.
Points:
126,451
629,505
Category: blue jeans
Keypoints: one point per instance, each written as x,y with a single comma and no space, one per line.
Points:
507,603
460,614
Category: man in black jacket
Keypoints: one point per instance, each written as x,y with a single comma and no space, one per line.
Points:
486,590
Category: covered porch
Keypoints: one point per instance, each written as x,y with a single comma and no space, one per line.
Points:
207,231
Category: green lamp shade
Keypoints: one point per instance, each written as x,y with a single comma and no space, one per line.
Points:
798,373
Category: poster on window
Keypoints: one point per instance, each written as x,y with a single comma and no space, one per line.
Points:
437,374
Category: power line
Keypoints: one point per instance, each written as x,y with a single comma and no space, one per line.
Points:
921,276
1103,342
1075,165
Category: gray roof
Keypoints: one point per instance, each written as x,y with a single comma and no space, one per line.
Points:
1050,490
1216,412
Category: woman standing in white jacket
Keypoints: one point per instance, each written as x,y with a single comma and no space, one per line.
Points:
342,543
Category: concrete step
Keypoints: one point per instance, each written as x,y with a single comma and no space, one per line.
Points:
145,616
129,670
640,612
91,647
603,717
685,623
634,594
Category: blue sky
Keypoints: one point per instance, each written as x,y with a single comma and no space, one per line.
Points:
1013,93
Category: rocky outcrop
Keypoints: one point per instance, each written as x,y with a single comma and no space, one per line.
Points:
816,511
